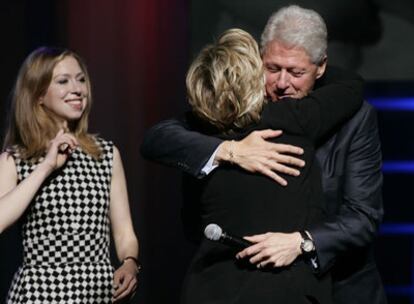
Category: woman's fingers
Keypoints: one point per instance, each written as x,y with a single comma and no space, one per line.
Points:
64,142
126,288
59,149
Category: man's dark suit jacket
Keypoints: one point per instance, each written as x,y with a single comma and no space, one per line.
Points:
351,179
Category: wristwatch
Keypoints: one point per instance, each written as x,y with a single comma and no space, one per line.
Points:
306,245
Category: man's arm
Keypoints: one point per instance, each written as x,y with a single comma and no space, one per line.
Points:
173,143
357,220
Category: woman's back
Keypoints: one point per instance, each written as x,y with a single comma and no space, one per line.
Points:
243,203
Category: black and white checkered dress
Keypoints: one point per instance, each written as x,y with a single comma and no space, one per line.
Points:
66,234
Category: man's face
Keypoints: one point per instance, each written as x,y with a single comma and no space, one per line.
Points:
289,71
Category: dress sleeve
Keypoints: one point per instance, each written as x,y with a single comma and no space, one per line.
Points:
325,108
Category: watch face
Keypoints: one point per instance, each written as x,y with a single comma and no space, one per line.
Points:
307,246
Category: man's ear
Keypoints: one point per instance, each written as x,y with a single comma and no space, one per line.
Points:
321,68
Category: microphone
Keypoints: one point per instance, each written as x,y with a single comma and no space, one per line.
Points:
213,232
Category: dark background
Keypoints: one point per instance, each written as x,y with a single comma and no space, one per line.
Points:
137,52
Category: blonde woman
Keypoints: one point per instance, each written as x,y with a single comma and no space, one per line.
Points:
225,87
67,186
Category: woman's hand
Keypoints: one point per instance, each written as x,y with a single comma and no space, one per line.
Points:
59,150
255,154
125,281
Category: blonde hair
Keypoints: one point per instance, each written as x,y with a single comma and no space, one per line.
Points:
225,83
32,126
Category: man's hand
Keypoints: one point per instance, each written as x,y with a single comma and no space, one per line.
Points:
125,281
255,154
272,249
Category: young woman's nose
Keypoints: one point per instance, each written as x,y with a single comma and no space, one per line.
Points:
75,87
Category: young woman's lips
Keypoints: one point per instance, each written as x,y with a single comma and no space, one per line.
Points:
75,103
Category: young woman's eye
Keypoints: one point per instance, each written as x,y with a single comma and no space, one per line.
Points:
62,81
82,79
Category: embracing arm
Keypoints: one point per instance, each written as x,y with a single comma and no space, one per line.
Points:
172,143
324,109
357,220
126,243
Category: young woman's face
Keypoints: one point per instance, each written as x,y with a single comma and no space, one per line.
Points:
67,93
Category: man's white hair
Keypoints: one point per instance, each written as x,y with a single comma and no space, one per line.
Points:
298,27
